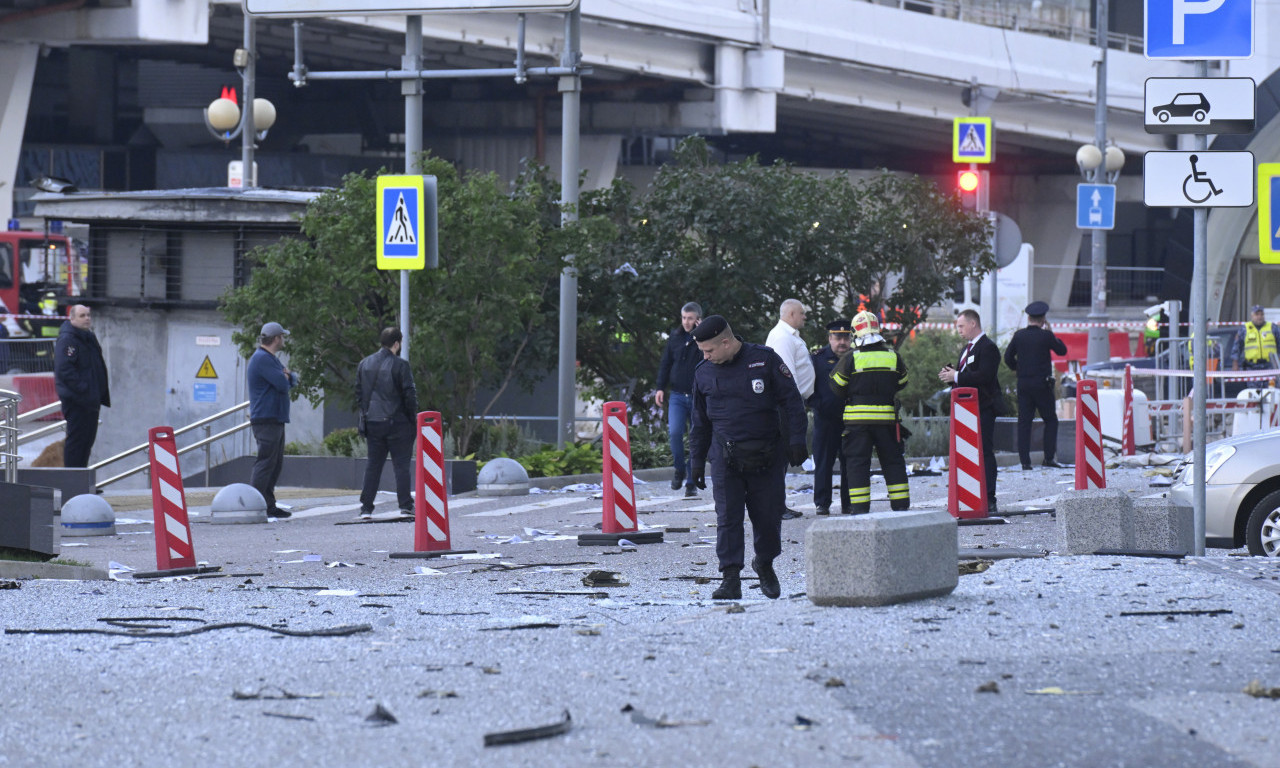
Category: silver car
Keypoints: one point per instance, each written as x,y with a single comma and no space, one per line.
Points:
1242,492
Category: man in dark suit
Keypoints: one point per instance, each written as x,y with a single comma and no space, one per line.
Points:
1028,353
978,367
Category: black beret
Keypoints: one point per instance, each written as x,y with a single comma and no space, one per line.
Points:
1037,308
709,328
839,326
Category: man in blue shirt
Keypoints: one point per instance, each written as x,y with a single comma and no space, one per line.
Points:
269,384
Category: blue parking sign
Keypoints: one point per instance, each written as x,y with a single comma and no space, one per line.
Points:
1096,206
1199,29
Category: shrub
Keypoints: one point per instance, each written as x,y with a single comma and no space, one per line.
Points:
650,448
342,442
578,459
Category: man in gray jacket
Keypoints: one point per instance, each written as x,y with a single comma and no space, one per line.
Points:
388,403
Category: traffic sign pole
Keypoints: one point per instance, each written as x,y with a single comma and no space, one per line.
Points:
1099,345
1199,330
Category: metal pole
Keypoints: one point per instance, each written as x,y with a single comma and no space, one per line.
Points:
1099,349
247,131
1199,349
571,92
412,90
207,431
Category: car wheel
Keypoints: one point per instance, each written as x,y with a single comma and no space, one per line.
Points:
1199,115
1163,115
1262,532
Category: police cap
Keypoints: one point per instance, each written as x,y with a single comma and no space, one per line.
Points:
710,328
839,326
1037,308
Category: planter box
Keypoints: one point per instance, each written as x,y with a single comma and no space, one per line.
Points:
329,472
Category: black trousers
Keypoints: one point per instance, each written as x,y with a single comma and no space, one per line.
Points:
764,496
987,419
82,430
826,450
266,469
1036,395
859,441
396,438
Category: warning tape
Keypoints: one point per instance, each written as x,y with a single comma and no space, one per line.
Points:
1256,375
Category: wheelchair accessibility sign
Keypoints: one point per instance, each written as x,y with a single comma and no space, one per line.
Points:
1198,179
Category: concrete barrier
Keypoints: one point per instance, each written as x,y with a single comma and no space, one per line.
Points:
881,558
502,477
1093,519
1161,526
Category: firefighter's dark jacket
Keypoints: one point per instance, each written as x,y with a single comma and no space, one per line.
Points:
80,373
742,400
385,389
869,379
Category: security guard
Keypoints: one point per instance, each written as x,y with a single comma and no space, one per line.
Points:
741,394
869,378
1255,343
1028,354
828,419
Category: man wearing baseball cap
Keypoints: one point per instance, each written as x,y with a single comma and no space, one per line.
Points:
269,384
1255,343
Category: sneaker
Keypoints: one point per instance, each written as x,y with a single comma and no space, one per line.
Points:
824,511
279,513
690,492
768,579
730,586
676,482
366,514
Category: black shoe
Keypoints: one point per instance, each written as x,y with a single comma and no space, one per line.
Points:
791,514
407,513
1053,464
280,513
1027,467
366,514
846,510
676,482
768,579
992,509
690,492
824,511
730,586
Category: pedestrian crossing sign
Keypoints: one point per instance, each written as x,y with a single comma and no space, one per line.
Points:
406,218
1269,213
972,140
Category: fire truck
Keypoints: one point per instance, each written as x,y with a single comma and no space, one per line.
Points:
41,274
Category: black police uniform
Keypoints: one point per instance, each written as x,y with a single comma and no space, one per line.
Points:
828,424
1028,354
738,407
80,377
869,379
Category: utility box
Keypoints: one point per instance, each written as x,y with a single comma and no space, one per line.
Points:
29,518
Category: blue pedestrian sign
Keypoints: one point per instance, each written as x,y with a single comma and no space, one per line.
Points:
1199,29
1096,206
972,140
406,234
1269,213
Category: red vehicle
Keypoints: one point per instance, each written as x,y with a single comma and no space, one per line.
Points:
40,274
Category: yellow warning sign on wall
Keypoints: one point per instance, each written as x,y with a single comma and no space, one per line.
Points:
206,370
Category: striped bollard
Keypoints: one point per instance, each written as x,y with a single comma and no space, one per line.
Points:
175,552
620,518
967,484
1127,440
430,497
1090,470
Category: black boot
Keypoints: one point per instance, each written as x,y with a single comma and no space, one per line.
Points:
768,579
730,585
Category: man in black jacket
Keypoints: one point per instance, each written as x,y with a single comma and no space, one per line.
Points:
978,367
828,419
1028,354
675,372
80,376
388,403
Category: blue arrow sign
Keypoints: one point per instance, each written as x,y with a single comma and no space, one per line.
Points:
1199,29
1095,206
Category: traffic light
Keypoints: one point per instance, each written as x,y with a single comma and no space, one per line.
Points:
974,190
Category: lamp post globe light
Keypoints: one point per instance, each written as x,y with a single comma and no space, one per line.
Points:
223,119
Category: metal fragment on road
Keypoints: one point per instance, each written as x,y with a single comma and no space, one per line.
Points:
381,716
529,734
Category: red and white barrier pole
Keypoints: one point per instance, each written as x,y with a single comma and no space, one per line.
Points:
431,496
175,552
967,482
1090,469
1128,448
620,519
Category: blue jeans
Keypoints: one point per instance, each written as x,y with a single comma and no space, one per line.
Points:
679,411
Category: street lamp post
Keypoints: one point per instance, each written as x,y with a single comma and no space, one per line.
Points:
1099,166
224,119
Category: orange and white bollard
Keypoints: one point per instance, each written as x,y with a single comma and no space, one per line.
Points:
967,481
431,497
175,551
620,518
1091,471
1127,441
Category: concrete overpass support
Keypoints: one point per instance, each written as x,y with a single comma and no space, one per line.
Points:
18,62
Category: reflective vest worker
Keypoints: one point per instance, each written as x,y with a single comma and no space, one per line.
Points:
1255,343
869,378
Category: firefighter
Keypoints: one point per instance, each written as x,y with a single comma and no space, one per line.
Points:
869,377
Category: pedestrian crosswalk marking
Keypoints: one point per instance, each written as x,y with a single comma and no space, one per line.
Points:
401,232
972,144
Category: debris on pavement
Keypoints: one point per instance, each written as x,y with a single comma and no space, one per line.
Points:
529,734
381,716
803,723
338,631
604,579
272,693
1259,691
640,718
968,567
991,686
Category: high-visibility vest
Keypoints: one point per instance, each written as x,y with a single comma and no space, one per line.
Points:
1259,343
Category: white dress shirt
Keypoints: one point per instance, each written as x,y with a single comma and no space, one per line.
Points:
786,341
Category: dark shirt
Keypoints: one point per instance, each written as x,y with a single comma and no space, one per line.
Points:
79,372
385,389
1028,353
679,358
744,399
268,388
826,403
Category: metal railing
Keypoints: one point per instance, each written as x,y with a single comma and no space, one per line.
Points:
1062,19
204,443
39,413
9,434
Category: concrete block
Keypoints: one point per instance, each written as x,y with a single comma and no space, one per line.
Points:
881,558
1160,525
502,477
88,515
72,481
238,503
1094,519
29,518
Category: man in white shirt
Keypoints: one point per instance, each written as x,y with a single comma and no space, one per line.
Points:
786,341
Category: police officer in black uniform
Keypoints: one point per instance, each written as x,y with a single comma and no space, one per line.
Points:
742,394
869,378
828,419
1028,354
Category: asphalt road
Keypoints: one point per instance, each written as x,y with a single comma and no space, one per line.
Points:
1072,661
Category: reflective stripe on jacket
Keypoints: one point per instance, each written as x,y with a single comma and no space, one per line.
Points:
869,380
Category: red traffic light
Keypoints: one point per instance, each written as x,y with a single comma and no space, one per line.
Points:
967,181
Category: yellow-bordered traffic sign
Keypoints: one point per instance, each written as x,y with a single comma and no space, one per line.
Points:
973,140
1269,212
401,217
